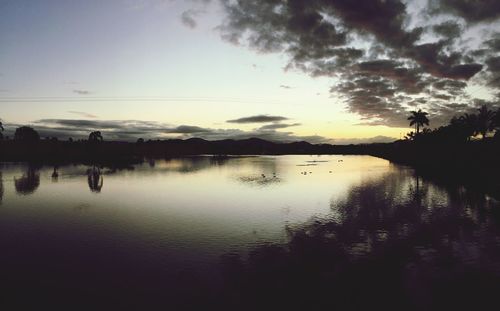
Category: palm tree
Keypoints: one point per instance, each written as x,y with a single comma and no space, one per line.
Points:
95,136
418,118
468,122
485,122
496,122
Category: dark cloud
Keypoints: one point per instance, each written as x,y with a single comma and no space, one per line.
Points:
112,129
493,64
493,43
83,114
449,30
433,60
464,71
383,58
187,129
294,26
276,126
449,85
472,11
91,124
258,119
82,92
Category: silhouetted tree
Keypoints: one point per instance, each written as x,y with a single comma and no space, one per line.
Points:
1,130
485,119
140,140
410,136
468,122
496,122
95,136
418,119
26,134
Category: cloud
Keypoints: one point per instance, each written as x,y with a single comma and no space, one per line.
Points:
82,92
384,57
83,114
188,18
472,11
131,130
276,126
258,119
187,129
287,87
449,29
127,130
92,124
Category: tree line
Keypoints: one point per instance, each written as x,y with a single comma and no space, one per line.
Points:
29,134
461,128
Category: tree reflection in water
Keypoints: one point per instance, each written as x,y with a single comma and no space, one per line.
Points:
28,182
95,179
396,242
55,174
1,188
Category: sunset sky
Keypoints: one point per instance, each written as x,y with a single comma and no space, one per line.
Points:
318,70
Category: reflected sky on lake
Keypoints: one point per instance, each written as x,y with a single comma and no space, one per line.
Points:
198,202
165,218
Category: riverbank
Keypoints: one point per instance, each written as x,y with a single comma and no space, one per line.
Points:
474,164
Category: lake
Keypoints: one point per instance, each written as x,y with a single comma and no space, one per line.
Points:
294,232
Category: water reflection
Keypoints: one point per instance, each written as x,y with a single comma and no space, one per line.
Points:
259,180
55,174
219,160
151,162
95,179
393,243
250,233
1,188
28,182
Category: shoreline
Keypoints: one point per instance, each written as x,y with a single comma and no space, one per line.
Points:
473,164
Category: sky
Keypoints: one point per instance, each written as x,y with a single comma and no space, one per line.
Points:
336,71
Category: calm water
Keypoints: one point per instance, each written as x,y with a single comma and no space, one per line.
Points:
242,232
